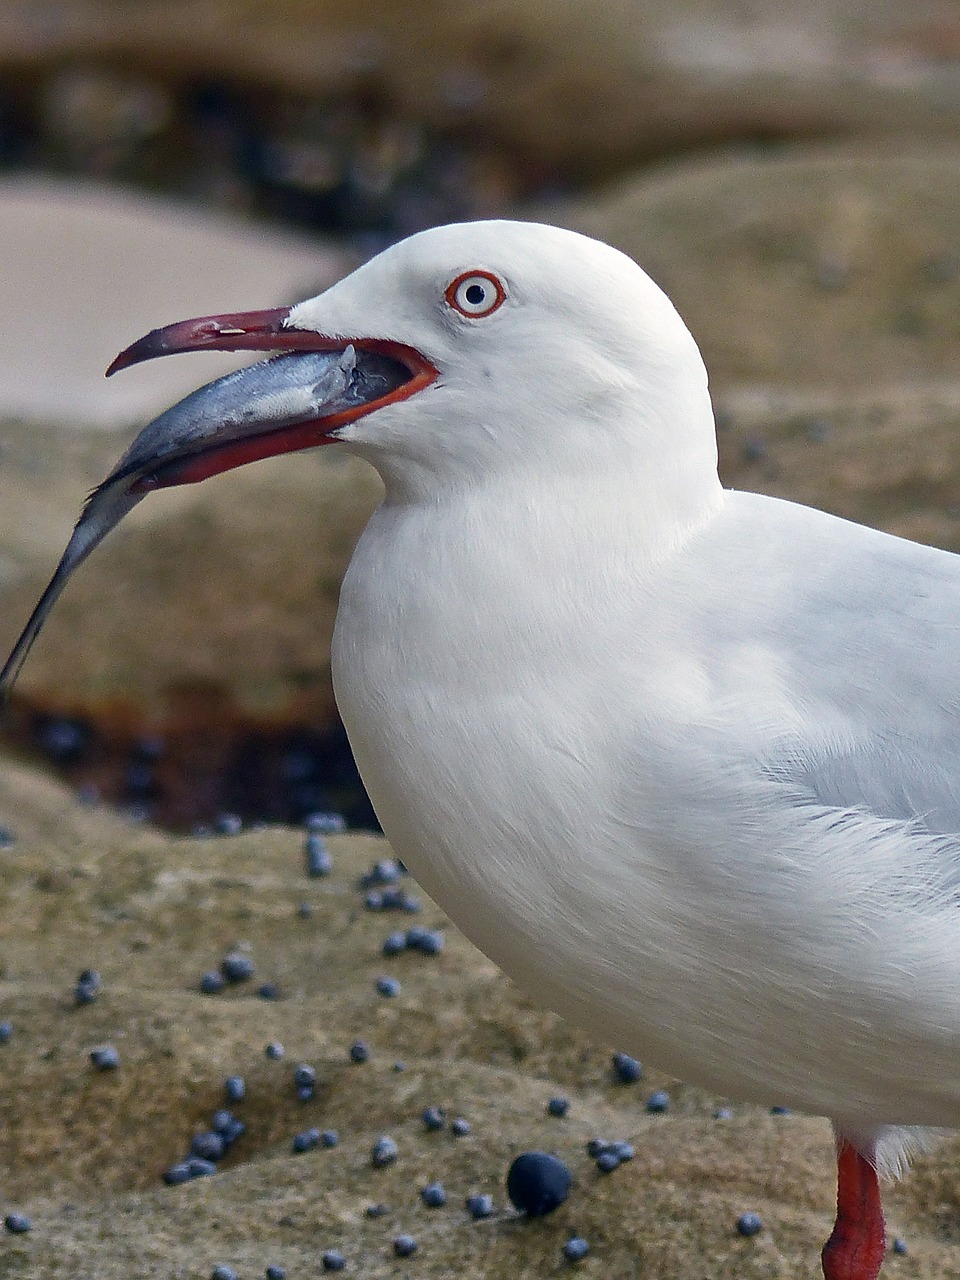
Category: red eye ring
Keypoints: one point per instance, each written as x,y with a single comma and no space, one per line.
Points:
475,294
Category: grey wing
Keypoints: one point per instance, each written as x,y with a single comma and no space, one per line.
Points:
873,629
898,779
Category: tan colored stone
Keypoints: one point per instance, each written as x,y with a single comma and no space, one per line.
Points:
231,585
86,268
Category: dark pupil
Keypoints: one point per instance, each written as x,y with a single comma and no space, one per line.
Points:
475,294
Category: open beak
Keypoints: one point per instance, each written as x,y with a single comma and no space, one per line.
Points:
298,399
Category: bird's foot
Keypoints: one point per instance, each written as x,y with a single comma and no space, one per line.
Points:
857,1244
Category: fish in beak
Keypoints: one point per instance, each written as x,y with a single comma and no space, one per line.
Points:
298,399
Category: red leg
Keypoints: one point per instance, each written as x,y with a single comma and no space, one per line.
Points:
856,1246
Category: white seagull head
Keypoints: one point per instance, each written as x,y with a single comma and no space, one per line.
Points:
465,356
548,347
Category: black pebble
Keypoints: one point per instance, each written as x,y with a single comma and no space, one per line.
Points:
383,871
575,1249
177,1174
384,1152
434,1118
209,1146
327,823
626,1070
228,824
333,1260
319,862
235,1088
236,967
306,1140
105,1058
748,1224
538,1183
228,1126
558,1106
17,1223
480,1206
404,1246
427,941
88,987
359,1051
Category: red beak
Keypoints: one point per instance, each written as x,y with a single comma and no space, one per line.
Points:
263,331
297,401
267,331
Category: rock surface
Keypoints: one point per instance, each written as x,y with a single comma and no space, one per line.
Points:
583,84
87,268
231,585
84,1150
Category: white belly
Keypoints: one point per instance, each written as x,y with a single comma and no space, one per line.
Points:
502,786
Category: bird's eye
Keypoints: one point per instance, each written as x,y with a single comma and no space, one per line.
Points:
475,294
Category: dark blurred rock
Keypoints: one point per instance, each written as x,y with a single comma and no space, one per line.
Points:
582,86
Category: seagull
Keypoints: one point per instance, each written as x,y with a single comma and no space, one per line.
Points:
681,760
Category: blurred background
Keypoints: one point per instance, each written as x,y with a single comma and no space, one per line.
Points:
789,173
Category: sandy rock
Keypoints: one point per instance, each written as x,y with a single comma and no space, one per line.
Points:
87,268
580,83
230,586
84,1150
